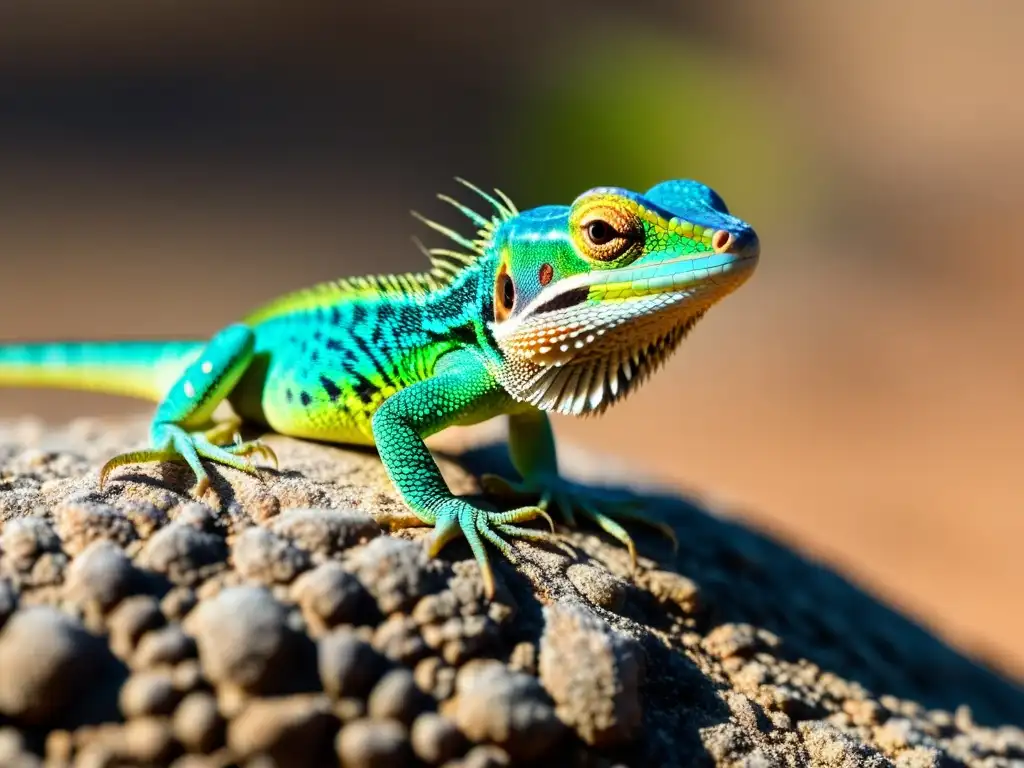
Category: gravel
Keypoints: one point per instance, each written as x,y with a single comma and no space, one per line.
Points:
284,626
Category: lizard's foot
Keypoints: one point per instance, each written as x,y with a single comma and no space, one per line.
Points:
573,500
480,525
178,444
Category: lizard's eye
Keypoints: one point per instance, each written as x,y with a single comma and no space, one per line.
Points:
607,233
600,232
504,295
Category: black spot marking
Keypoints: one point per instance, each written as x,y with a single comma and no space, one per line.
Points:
334,345
305,398
386,318
330,388
335,316
364,388
377,334
289,395
463,334
380,363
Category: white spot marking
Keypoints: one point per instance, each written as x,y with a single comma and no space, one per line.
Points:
206,367
190,391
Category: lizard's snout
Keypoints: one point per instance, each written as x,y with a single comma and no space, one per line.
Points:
743,244
748,245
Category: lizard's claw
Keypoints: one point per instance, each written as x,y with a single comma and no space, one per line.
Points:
250,447
480,525
177,444
572,500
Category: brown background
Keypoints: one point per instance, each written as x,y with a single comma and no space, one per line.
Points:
166,166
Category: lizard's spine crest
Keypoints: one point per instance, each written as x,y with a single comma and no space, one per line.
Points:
446,264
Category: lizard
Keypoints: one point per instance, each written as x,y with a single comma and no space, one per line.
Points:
558,309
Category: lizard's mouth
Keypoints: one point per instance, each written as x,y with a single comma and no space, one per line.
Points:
715,274
594,338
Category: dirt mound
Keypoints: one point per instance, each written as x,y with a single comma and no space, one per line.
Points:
279,623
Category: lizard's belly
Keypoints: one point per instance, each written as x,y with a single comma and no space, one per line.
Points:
307,401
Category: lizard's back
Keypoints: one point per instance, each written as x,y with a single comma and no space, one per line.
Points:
323,365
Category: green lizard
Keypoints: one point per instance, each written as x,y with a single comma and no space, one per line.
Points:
558,309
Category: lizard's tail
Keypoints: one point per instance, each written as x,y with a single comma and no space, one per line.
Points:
145,369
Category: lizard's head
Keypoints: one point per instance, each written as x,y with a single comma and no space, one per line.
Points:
589,299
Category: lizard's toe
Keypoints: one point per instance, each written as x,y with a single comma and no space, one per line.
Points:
571,500
484,525
191,448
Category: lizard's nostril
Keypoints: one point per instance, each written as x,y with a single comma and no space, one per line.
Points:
721,241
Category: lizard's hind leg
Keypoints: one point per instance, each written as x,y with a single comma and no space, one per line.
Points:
181,429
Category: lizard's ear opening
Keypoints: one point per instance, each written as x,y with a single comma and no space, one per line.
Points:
504,295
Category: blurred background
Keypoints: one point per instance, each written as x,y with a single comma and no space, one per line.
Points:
166,166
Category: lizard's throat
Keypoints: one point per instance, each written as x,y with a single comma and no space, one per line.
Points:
582,359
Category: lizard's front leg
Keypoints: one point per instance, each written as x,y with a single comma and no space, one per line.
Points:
181,428
532,451
461,388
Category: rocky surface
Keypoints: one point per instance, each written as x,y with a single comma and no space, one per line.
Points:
280,623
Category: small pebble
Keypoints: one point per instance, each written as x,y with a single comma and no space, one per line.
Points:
148,693
196,515
262,556
24,539
146,517
329,595
244,639
83,522
197,722
188,675
167,645
398,637
177,603
674,588
494,704
49,664
373,744
396,572
742,640
133,617
101,575
348,665
291,730
396,697
183,553
146,740
486,756
349,709
436,739
435,677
